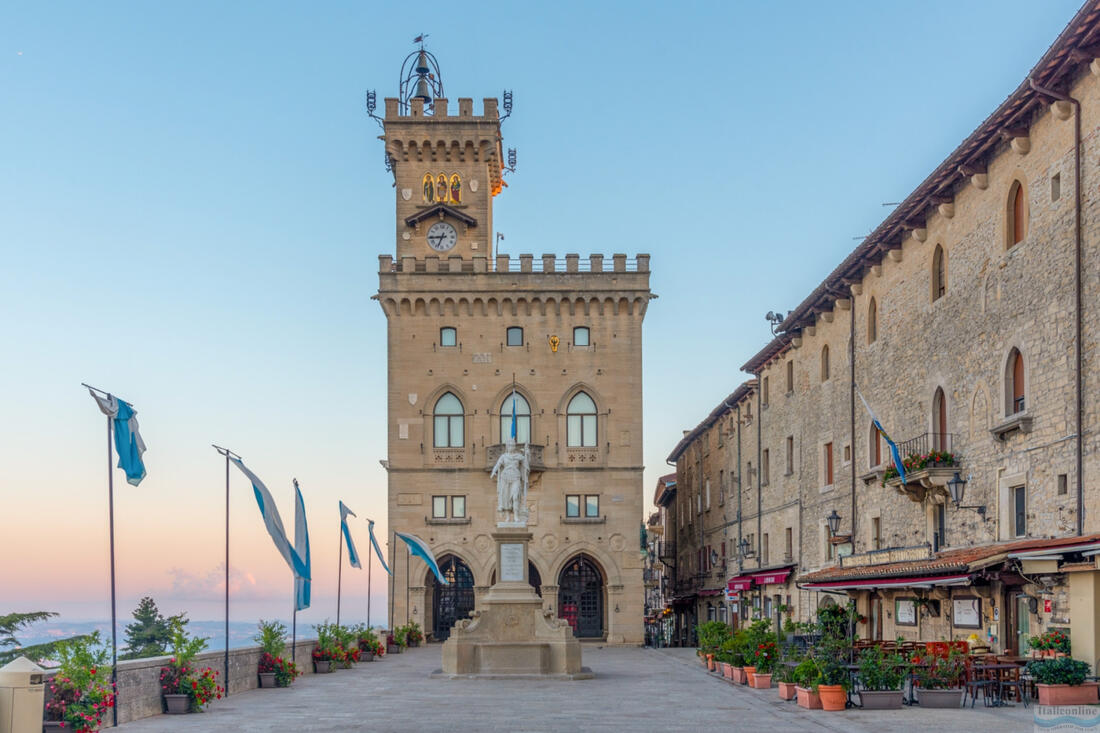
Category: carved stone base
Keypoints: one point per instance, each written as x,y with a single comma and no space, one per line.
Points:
510,635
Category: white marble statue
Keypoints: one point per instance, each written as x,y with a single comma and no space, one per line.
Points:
512,470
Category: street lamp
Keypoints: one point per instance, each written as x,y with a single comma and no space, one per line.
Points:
834,523
956,487
746,549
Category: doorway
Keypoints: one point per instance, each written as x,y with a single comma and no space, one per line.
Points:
580,597
453,601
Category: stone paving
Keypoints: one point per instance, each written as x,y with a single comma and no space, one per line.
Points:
634,690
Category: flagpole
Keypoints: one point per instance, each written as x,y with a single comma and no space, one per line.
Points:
339,571
294,625
111,522
227,453
370,565
408,579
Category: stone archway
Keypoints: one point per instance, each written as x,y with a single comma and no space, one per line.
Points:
453,601
581,590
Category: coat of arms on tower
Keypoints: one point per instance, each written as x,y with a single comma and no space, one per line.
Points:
406,193
412,398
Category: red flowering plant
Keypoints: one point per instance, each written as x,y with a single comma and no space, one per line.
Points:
329,648
272,639
285,670
180,678
81,692
766,655
1053,640
366,639
920,461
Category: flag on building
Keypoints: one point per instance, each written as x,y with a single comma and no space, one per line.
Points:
128,442
377,549
420,548
353,556
301,549
297,561
895,455
513,413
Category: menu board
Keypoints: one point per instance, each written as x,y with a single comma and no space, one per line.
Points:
967,612
905,611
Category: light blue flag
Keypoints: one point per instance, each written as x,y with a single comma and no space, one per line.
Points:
420,548
298,564
353,556
377,549
128,442
895,454
301,548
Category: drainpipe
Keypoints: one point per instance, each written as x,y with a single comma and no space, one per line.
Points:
852,407
759,471
1077,295
740,475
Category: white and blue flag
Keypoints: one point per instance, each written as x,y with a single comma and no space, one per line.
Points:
128,442
377,549
301,548
895,455
353,556
298,562
420,548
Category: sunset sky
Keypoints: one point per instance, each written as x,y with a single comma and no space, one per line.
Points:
193,201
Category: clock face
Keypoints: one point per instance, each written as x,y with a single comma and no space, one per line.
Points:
442,236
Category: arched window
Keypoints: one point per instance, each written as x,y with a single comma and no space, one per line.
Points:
1015,383
872,321
449,422
580,336
523,419
580,422
825,363
514,336
874,447
939,273
448,336
940,440
1017,214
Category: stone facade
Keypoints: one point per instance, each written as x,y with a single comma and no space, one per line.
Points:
449,314
925,320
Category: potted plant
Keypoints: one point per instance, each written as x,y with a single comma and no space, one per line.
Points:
401,637
833,681
392,647
1061,681
940,680
785,677
328,652
271,636
881,677
81,692
348,642
766,655
414,634
184,687
805,678
366,641
1051,643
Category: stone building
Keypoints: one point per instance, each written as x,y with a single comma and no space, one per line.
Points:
968,322
475,337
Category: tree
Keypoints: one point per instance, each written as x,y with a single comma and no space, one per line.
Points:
151,632
10,648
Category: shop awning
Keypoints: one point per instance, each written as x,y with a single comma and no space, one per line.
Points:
775,577
711,592
918,582
742,582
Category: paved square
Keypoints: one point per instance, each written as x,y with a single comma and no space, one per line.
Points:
634,690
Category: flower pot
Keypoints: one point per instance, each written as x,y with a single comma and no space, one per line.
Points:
762,681
710,662
737,675
392,649
750,672
727,670
787,691
53,725
367,657
177,704
807,698
832,697
322,666
1082,694
267,679
880,699
951,698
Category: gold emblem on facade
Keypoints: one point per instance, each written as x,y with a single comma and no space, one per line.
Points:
554,341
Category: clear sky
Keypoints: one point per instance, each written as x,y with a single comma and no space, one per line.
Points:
192,201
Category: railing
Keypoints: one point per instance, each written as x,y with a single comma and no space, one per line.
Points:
449,456
523,263
926,443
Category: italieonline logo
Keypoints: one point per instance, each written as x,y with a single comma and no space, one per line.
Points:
1066,718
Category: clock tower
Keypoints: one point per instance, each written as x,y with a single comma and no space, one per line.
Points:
446,166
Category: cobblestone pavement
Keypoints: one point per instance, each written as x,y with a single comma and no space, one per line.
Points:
634,690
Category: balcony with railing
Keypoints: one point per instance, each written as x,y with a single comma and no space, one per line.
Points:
930,460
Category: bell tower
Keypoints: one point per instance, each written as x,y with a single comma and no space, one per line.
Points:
446,163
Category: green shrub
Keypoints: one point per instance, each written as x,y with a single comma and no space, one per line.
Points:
806,673
882,672
711,635
272,637
1059,671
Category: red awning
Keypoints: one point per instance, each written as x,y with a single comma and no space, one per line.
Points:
776,577
743,582
927,581
711,592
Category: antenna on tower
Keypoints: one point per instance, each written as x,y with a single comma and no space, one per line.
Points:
420,77
506,96
511,167
372,104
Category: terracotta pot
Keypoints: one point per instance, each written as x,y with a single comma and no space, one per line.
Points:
737,675
710,662
1083,694
178,704
807,698
762,681
832,697
951,698
880,699
750,672
267,679
787,691
727,671
322,666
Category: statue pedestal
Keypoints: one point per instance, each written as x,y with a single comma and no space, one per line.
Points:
510,636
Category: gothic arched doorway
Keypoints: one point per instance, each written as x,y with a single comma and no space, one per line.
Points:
450,602
580,597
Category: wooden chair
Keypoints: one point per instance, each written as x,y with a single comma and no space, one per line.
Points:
977,679
1010,680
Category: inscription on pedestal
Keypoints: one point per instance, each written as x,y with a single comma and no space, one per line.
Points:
511,561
